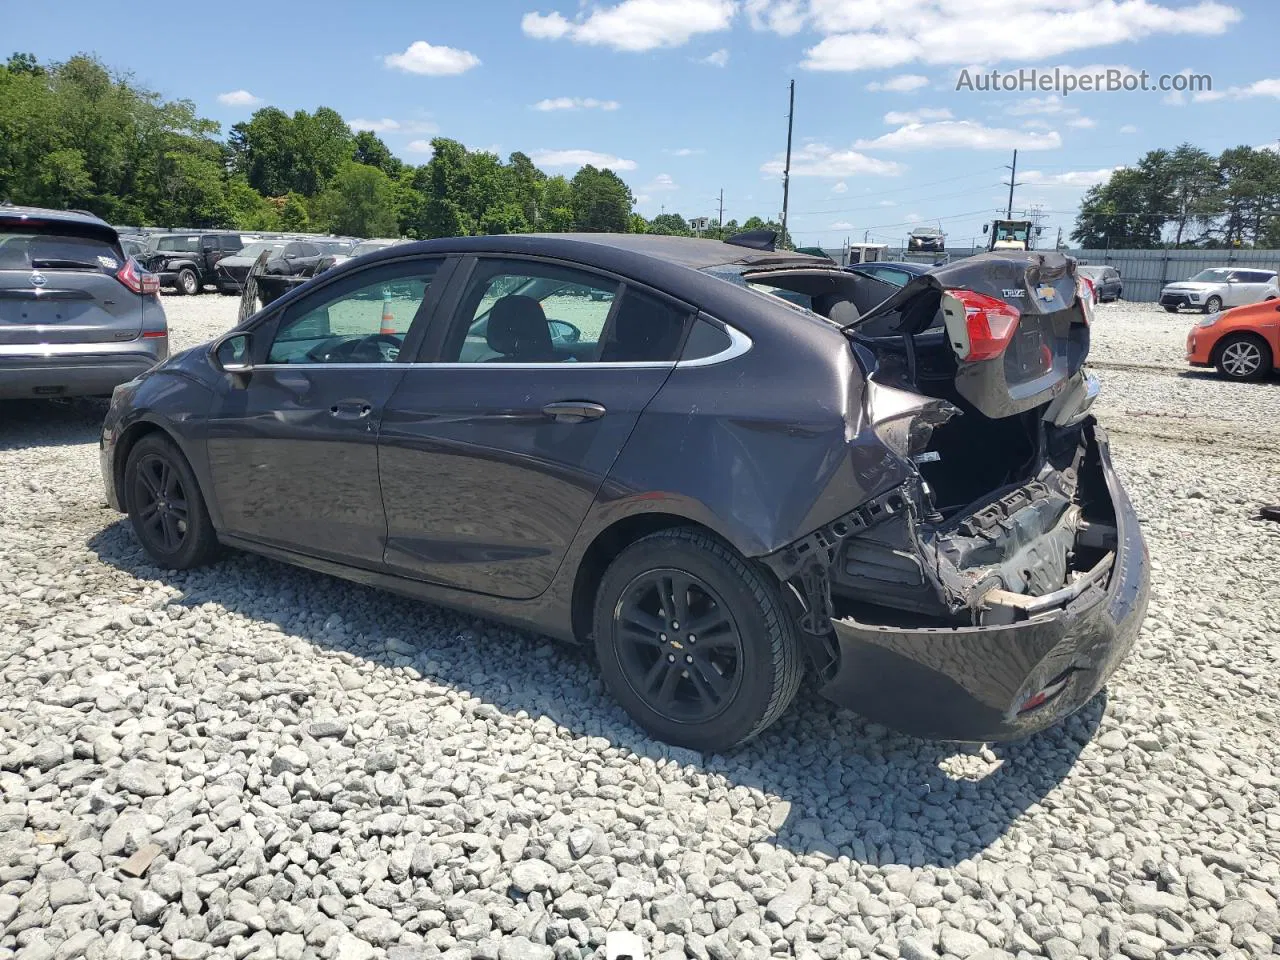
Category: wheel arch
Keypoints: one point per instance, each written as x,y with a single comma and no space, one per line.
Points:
604,547
129,438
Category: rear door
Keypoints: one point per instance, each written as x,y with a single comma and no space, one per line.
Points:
492,451
58,285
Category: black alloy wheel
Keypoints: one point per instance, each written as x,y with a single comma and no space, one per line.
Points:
678,645
165,506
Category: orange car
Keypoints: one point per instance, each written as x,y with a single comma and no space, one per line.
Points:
1243,343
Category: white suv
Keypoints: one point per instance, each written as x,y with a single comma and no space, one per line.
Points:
1211,290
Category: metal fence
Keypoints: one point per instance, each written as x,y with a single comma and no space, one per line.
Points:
1143,272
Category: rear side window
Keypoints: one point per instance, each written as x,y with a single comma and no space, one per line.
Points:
231,243
24,248
179,244
705,340
644,329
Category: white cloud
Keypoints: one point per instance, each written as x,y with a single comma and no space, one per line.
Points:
912,218
870,34
962,134
1038,105
841,225
820,160
1174,98
634,25
1128,128
575,103
903,83
888,203
840,187
662,183
1082,123
1036,124
783,17
432,61
420,146
579,158
716,58
686,152
238,98
1259,88
387,125
1072,178
897,118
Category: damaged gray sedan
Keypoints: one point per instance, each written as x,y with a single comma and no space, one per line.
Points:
720,464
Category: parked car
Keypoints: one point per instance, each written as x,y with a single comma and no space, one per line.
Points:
719,489
1243,343
1107,285
231,271
77,316
298,262
926,240
1211,290
188,261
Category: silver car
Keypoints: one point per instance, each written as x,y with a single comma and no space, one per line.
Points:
77,316
1211,290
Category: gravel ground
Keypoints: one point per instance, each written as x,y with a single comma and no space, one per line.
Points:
255,761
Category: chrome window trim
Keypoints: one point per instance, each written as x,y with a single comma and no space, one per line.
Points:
739,344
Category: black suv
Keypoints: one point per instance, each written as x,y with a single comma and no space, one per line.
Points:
186,261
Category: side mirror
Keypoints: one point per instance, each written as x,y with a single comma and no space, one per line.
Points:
232,353
986,227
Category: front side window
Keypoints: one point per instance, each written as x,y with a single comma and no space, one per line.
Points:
364,321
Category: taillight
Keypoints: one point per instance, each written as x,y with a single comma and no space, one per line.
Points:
1085,294
137,279
990,324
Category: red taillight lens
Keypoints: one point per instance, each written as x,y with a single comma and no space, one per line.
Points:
137,279
1085,293
990,323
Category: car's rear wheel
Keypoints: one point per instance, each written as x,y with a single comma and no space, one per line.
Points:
697,646
1213,304
1243,356
165,506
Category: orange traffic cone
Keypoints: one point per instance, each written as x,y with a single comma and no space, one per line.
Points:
388,321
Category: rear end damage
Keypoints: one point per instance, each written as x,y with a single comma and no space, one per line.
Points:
995,591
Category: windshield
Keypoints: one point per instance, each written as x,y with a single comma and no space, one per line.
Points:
1093,273
252,251
368,246
179,244
1011,233
1212,275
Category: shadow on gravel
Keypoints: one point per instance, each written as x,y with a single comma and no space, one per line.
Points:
50,423
1203,375
854,789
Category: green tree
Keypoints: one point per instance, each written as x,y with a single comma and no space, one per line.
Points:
360,201
293,213
671,224
601,201
369,149
557,214
638,224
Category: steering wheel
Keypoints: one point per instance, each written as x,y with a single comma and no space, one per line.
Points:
375,348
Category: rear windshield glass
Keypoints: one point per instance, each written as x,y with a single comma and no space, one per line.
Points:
26,249
179,244
369,246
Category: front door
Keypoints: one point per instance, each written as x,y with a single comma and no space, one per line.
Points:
492,455
293,448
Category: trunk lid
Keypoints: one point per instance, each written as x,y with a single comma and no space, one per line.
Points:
58,284
1009,328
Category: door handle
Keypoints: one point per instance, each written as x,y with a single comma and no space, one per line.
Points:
351,410
573,411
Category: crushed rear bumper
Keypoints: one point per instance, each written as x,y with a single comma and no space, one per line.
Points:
969,683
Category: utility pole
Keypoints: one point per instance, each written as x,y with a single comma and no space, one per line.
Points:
786,170
1013,176
1058,245
720,221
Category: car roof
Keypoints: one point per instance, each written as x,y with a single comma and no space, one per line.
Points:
12,213
907,265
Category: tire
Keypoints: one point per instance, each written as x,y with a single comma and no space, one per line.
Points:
1213,304
1170,307
1243,356
187,283
157,478
752,647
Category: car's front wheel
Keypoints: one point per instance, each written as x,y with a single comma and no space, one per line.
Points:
1170,308
1213,304
697,645
165,506
1243,356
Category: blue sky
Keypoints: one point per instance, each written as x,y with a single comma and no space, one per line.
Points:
686,97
